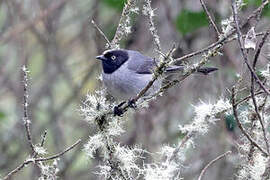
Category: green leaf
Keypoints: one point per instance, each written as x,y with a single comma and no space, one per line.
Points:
230,122
188,21
116,4
2,115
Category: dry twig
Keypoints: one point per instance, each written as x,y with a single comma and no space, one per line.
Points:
26,120
212,162
252,89
234,106
209,17
101,32
35,160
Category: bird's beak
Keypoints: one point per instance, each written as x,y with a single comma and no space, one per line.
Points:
101,57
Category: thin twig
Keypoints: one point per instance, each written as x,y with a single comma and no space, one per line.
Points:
248,97
256,56
181,145
252,89
43,138
234,106
243,51
34,160
212,162
17,169
60,153
26,119
209,17
102,33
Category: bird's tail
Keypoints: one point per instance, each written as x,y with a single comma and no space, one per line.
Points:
203,70
207,70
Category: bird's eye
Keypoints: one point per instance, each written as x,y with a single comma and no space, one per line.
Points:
113,57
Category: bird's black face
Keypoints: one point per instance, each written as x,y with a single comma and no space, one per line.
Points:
112,60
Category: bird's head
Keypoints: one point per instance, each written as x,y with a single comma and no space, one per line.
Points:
113,59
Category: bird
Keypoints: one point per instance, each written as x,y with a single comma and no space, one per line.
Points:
126,72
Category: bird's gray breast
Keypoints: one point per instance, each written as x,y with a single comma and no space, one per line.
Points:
125,83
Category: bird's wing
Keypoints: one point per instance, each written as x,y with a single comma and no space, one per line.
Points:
140,64
173,68
145,65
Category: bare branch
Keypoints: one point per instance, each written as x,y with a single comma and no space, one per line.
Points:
181,145
26,120
209,17
248,97
252,89
102,34
240,125
43,138
60,153
212,162
266,34
33,160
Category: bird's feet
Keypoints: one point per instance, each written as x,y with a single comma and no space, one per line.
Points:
132,103
117,110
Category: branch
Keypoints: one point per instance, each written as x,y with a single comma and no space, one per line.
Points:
180,145
60,153
102,34
26,120
212,162
265,35
209,17
43,138
240,125
247,98
34,160
252,89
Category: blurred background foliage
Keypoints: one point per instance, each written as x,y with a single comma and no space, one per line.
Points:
56,40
